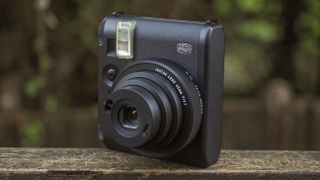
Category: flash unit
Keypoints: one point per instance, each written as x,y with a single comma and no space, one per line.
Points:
124,41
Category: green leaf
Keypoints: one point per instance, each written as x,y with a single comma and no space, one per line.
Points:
34,85
32,134
251,6
261,30
46,63
51,104
222,7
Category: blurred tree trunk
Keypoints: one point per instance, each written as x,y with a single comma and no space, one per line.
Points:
9,92
284,49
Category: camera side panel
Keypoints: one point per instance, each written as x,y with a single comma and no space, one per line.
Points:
211,130
206,145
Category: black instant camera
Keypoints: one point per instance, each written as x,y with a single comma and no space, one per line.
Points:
160,87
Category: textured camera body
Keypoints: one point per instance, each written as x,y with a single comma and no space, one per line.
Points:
198,49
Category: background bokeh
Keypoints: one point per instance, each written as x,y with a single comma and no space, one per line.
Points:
48,69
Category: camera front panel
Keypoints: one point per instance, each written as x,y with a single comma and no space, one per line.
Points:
151,85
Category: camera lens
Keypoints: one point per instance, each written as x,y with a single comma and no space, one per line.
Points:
129,117
156,110
129,126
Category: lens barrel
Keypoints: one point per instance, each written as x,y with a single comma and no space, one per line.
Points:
155,107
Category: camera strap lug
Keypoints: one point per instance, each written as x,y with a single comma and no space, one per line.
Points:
117,13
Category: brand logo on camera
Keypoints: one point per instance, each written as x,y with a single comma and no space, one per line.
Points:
184,48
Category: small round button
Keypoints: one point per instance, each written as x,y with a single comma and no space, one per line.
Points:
111,74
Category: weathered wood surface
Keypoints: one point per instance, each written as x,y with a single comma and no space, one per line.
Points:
26,163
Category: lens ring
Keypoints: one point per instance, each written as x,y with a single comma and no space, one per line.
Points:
170,119
189,95
120,125
149,121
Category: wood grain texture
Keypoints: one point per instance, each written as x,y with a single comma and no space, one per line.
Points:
36,163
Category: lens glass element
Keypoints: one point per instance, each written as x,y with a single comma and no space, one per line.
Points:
128,117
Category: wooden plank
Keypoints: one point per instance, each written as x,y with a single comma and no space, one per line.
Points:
36,163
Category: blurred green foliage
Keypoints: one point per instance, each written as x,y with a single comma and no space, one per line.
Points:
51,46
57,44
32,134
307,56
34,85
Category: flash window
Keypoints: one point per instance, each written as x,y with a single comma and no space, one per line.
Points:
124,41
